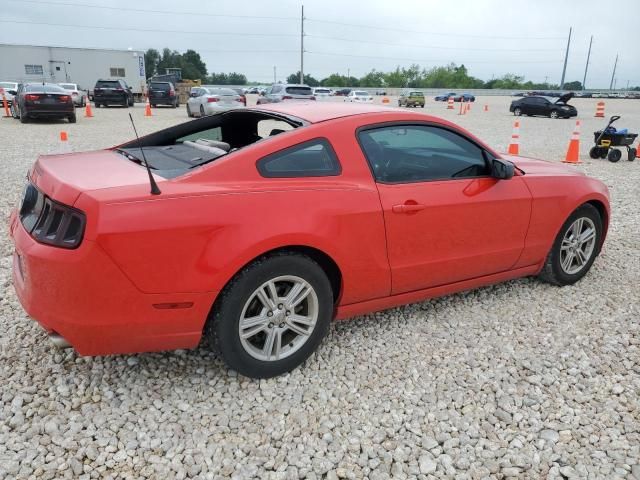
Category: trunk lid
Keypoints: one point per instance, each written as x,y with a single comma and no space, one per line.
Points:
64,177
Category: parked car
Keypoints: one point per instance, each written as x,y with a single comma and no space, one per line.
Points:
381,92
254,90
544,106
467,97
343,92
10,89
163,93
322,93
78,95
359,96
599,95
519,94
42,100
444,97
112,92
411,99
255,241
583,95
280,92
207,100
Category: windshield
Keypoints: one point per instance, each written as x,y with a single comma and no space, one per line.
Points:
299,90
160,86
322,90
107,84
7,85
416,94
38,87
361,93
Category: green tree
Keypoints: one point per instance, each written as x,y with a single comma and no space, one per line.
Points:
335,80
576,85
308,79
237,79
372,79
151,59
193,68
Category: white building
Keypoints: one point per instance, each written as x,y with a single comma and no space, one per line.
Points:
84,66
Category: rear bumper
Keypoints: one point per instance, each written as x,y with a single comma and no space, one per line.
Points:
120,99
85,298
162,100
50,112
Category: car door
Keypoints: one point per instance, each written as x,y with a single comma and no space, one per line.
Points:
446,219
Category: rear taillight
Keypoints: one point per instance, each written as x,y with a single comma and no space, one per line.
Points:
287,97
50,222
312,97
119,89
31,97
172,93
64,98
212,99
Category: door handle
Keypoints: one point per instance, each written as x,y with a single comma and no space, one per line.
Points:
408,208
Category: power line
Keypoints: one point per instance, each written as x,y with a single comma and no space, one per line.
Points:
444,34
137,29
424,60
433,46
164,12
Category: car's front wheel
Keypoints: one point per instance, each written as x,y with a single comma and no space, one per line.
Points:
272,316
517,111
575,248
554,114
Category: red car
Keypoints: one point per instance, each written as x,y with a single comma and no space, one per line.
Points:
269,222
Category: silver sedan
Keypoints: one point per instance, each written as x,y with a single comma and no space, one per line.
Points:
78,96
208,100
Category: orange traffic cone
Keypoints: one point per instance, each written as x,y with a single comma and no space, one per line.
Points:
573,152
514,146
599,110
87,108
462,110
486,107
450,103
64,143
5,105
469,106
147,108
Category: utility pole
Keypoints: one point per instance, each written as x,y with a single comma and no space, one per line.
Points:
348,73
586,67
302,45
566,56
274,74
627,85
614,72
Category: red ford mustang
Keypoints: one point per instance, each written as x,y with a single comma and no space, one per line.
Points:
269,222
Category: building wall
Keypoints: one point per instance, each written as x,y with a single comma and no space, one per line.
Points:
75,65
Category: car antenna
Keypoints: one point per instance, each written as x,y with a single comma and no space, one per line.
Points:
154,186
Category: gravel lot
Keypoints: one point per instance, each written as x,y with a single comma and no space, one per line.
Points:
518,380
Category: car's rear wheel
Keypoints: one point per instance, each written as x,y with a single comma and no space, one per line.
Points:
24,118
201,111
272,316
517,111
189,114
554,114
72,118
126,102
631,154
575,247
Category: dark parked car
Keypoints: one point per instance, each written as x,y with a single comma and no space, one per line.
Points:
241,93
343,92
42,100
544,106
163,93
112,92
443,97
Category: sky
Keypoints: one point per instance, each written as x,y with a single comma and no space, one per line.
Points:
490,37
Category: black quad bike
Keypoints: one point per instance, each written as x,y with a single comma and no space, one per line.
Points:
608,138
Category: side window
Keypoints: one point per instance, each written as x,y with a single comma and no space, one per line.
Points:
413,153
314,158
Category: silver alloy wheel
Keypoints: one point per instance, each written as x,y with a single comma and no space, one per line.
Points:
578,245
517,112
553,114
278,318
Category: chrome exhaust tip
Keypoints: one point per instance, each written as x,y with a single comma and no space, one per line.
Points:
59,341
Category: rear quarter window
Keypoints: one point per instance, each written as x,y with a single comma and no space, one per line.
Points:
315,158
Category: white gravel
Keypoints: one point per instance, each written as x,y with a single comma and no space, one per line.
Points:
519,380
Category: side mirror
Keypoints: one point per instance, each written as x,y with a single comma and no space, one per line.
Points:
12,92
193,94
502,170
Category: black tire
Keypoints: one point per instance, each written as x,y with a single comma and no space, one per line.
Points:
632,154
201,111
594,152
97,105
174,105
24,118
517,111
222,329
13,111
72,118
614,155
126,102
552,271
603,153
554,114
189,114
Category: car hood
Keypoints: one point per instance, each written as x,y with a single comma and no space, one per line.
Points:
565,98
533,166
